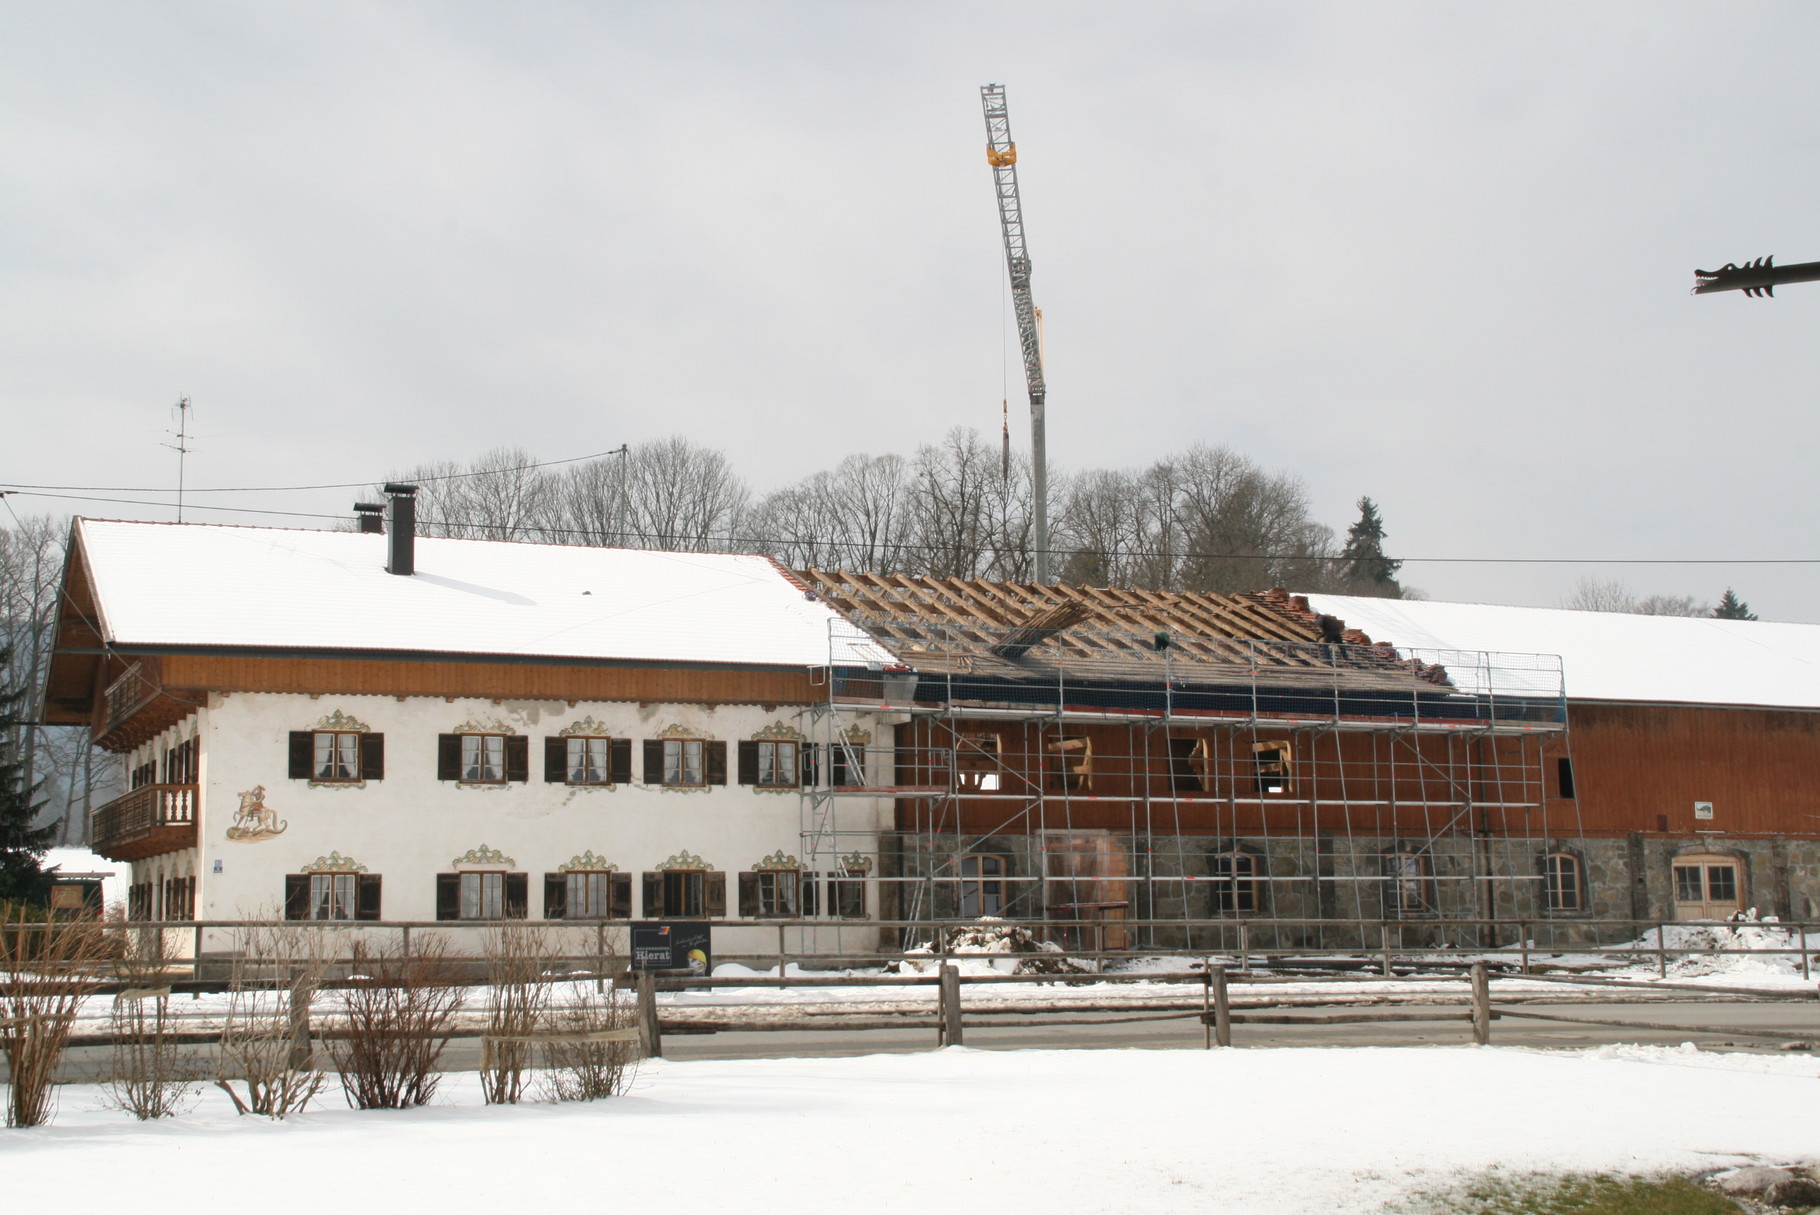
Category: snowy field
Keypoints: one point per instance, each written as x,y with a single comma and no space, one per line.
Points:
1260,1131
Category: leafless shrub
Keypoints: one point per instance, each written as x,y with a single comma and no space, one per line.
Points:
518,960
398,1015
46,971
265,1040
585,1069
151,1075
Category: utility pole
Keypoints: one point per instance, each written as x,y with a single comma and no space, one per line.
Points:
182,448
1001,154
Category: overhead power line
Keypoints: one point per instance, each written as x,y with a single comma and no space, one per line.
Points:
283,489
755,543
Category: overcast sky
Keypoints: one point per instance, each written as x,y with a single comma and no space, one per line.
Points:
1439,254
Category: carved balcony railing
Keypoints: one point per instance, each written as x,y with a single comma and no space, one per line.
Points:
150,820
128,694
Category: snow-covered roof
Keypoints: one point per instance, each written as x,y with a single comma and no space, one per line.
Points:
1612,655
163,584
71,862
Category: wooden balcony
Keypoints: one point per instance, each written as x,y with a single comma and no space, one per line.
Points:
150,820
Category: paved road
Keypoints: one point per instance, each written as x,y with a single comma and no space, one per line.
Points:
1702,1023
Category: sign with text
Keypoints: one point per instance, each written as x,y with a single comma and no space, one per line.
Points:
672,945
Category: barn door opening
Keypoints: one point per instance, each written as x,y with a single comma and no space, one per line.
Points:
1707,887
1085,880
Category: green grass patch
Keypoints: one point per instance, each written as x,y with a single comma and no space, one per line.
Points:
1575,1194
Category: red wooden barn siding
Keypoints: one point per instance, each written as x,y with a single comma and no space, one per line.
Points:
1642,768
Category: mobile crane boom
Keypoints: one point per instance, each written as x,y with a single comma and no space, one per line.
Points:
1001,154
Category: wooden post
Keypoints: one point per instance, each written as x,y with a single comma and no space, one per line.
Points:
781,963
600,957
1207,1003
1244,949
1661,952
1481,1005
1523,943
1384,940
1801,936
1222,1008
647,1017
950,1004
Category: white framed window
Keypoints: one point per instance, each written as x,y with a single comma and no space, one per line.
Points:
483,759
683,762
332,896
1409,889
779,764
590,896
589,761
483,895
335,756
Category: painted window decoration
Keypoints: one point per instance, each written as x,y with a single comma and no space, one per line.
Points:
777,757
332,887
1235,883
1561,885
339,750
1409,885
484,886
587,754
772,889
480,756
681,760
589,887
983,885
685,887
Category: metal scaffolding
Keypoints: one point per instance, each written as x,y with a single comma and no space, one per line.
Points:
1085,776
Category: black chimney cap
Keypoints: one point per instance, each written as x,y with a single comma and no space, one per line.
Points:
369,508
404,490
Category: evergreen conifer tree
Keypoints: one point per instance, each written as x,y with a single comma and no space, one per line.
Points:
22,846
1362,561
1733,608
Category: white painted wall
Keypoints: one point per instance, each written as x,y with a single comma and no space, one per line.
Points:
410,826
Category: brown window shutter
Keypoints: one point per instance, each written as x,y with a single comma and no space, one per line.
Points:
555,762
654,761
837,765
518,757
448,757
714,893
372,757
621,772
714,757
448,892
296,896
748,896
518,894
619,895
654,893
366,896
303,753
555,896
809,754
812,889
748,762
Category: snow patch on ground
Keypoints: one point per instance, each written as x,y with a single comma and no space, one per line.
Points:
1267,1132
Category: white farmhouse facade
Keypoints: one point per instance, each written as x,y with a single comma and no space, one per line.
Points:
381,727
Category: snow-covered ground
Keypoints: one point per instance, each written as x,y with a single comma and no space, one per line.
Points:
1262,1131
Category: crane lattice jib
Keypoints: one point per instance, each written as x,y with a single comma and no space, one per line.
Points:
1001,154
